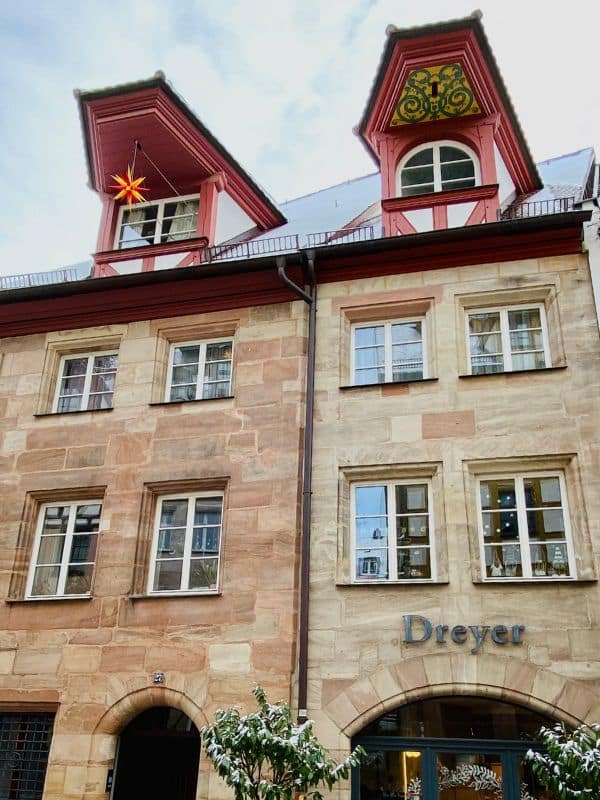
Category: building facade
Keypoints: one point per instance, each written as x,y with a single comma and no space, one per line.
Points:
357,467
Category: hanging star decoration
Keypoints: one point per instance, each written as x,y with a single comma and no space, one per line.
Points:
130,188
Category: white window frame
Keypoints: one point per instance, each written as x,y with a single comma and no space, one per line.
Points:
505,334
91,356
437,170
64,563
524,541
387,324
202,344
392,547
187,551
159,217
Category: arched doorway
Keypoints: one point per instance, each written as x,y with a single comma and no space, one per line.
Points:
450,748
158,757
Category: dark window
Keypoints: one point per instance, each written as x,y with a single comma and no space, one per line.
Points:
24,746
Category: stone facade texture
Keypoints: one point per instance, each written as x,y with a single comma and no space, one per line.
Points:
93,659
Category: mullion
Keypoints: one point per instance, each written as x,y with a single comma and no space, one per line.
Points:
187,546
524,541
392,549
64,566
505,338
159,222
201,370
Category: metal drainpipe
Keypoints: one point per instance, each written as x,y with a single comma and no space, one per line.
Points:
310,298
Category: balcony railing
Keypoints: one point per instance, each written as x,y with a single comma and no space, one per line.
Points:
537,208
255,248
39,278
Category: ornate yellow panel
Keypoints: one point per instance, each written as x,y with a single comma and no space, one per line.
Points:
430,93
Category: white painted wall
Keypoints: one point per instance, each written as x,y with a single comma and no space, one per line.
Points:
421,219
459,213
506,192
231,219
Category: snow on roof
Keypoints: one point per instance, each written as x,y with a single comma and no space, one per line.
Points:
571,169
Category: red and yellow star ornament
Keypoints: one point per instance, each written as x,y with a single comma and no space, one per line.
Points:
130,188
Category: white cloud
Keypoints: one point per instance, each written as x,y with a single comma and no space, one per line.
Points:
279,83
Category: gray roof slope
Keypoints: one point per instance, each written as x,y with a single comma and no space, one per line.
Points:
564,176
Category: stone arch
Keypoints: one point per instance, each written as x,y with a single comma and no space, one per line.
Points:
119,715
497,677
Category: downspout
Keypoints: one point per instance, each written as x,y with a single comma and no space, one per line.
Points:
310,298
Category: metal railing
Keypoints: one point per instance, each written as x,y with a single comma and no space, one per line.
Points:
39,278
252,249
343,236
537,208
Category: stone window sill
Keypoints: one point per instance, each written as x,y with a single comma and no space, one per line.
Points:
533,581
380,584
172,595
386,383
514,372
72,413
186,402
63,599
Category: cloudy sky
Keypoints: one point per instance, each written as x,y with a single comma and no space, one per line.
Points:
280,82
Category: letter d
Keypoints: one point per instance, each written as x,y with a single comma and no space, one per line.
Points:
408,628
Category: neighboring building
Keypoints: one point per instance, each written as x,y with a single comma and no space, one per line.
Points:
418,571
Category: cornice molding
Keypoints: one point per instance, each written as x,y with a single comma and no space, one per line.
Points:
473,194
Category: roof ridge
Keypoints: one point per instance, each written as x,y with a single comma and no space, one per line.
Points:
566,155
326,188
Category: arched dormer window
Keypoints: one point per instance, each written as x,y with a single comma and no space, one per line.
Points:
437,167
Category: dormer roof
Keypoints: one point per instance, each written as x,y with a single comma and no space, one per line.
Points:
454,54
179,144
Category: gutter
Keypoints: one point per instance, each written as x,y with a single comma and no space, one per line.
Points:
310,298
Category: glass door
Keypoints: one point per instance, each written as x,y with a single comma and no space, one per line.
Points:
469,776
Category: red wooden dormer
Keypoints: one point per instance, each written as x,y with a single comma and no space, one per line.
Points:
441,126
198,194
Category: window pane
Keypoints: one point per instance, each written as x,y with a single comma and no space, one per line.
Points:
412,530
524,318
448,153
547,524
459,169
469,777
217,371
526,340
55,519
367,337
410,191
203,573
372,564
185,374
218,351
542,492
522,361
415,176
138,226
186,355
173,513
369,357
72,386
212,391
102,382
413,562
45,581
79,579
74,366
171,543
51,549
411,498
371,532
205,541
179,393
83,548
105,363
97,401
371,501
497,494
207,511
87,518
72,403
458,184
549,560
406,332
485,343
366,376
484,323
168,575
420,158
503,561
487,365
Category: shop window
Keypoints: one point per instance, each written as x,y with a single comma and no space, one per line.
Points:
385,352
199,370
186,545
86,382
392,528
525,528
437,167
24,747
64,550
507,339
145,224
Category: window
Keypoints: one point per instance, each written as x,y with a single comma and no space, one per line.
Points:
384,352
507,339
64,549
392,529
156,223
187,543
437,168
524,527
86,382
25,740
199,370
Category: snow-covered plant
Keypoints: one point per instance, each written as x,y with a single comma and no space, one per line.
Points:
265,756
570,767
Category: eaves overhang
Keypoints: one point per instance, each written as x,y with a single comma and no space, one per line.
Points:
208,287
142,93
441,30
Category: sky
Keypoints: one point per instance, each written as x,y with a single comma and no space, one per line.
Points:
281,83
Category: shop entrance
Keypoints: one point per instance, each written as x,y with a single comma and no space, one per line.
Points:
450,748
158,757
